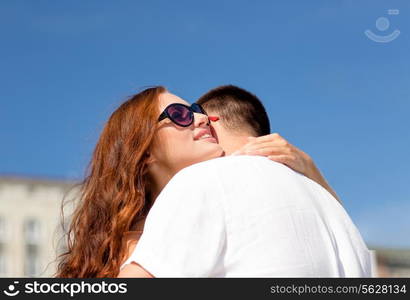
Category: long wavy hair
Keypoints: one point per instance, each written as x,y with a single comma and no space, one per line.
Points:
115,194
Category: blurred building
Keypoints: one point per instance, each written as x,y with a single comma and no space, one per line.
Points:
393,262
30,225
30,230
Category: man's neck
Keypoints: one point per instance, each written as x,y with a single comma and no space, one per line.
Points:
233,143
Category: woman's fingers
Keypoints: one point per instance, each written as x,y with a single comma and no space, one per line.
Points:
266,141
284,159
285,149
267,150
239,152
278,149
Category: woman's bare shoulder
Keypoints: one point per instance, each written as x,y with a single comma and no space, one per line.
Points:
134,270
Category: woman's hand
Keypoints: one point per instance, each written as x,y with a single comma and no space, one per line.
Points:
278,149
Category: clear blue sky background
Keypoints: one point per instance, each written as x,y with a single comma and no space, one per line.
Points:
342,98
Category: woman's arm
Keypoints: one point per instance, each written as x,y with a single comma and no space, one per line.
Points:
280,150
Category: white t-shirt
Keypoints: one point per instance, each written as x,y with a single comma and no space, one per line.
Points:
246,216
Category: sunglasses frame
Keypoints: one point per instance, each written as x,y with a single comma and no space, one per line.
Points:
192,109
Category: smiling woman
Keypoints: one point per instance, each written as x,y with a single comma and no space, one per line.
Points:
176,147
137,153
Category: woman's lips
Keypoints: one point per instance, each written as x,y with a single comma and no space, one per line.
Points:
205,134
209,139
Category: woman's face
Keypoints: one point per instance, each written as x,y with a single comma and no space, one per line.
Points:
177,147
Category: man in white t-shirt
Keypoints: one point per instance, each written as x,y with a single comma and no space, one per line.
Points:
246,216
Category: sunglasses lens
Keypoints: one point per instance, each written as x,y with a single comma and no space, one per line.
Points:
180,114
198,109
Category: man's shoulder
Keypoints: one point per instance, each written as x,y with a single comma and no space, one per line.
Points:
202,179
228,165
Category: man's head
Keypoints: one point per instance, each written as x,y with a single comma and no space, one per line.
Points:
241,114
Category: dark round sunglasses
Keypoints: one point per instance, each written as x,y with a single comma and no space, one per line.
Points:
181,114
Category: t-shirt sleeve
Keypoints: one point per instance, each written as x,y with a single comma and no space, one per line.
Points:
184,233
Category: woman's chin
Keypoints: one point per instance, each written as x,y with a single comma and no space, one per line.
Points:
215,151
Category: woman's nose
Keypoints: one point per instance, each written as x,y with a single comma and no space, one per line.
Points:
201,120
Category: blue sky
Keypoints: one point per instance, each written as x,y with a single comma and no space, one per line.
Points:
330,90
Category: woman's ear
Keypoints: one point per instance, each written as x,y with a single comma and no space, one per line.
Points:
151,158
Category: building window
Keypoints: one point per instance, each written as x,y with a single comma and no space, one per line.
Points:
32,232
3,261
32,261
3,230
32,235
3,240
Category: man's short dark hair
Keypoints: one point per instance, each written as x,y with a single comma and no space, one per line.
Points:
237,108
